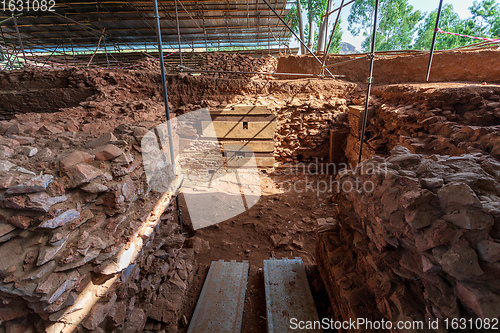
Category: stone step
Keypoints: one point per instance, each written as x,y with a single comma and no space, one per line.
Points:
220,306
288,295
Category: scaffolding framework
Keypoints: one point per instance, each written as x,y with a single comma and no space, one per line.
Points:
112,26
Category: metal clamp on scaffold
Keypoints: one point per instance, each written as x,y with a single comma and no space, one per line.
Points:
370,56
369,80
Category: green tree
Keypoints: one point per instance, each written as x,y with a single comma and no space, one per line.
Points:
449,21
337,39
397,23
314,9
486,16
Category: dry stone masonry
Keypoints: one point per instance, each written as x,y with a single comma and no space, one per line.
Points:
423,244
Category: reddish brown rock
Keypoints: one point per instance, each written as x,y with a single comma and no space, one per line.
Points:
75,157
29,151
60,220
460,261
5,181
40,202
98,313
107,152
5,228
13,144
23,140
101,141
49,129
35,184
22,222
47,253
128,189
118,313
94,187
136,321
488,251
483,302
6,152
455,194
82,174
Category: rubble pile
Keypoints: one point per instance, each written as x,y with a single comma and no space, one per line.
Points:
419,238
235,62
70,201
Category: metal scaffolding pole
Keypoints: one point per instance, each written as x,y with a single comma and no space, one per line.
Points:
5,43
293,32
327,22
333,11
106,51
12,56
178,30
331,36
19,39
434,39
204,29
370,81
165,100
72,47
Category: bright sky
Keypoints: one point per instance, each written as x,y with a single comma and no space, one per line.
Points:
460,6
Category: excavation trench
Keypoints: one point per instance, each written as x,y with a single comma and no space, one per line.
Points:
407,247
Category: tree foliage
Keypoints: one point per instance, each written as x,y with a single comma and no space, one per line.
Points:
402,27
317,8
449,21
397,22
486,16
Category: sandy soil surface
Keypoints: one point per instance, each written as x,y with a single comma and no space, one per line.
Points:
281,224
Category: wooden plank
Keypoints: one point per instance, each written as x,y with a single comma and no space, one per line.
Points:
264,161
243,110
237,130
240,117
256,146
220,306
287,295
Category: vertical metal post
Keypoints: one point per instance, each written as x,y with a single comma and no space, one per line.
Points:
370,81
19,38
269,32
106,52
331,36
4,43
434,39
178,31
53,52
8,59
72,48
301,26
204,28
165,100
295,35
328,6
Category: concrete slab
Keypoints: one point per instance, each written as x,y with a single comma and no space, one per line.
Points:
220,306
287,295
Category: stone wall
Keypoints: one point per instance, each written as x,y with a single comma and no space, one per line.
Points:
428,119
447,66
71,202
422,243
304,126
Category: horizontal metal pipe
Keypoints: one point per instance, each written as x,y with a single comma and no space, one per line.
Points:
190,70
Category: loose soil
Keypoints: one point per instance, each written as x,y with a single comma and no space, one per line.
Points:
248,237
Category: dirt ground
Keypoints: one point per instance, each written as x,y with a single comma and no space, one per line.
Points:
249,236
